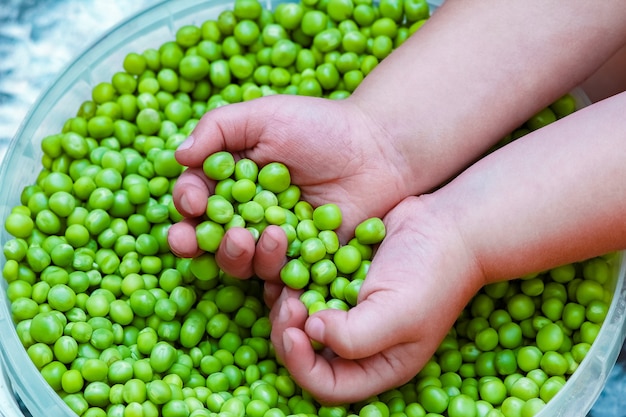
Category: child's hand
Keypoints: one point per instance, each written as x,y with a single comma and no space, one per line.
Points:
421,278
335,154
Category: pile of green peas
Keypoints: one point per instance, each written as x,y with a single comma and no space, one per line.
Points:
119,326
245,196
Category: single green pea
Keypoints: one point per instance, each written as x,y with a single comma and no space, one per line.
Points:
589,291
295,274
370,231
313,22
493,391
327,40
219,73
162,356
194,67
251,212
541,119
23,308
487,339
340,10
347,259
243,190
312,250
219,209
46,328
529,358
19,225
351,291
209,235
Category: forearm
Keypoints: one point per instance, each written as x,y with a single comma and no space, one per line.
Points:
556,196
479,69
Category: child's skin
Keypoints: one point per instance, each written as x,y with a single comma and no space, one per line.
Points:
548,199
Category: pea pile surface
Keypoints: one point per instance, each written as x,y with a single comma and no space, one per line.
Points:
119,326
246,196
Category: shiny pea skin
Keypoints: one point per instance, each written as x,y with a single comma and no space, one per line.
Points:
295,274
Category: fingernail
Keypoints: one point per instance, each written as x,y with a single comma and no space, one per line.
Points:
184,204
232,249
284,314
287,342
268,243
315,328
188,143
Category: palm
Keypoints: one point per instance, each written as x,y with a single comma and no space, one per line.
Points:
387,337
334,154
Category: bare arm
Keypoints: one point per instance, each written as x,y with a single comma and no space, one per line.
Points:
479,69
554,197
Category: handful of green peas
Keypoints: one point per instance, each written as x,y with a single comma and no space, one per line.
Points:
120,327
246,196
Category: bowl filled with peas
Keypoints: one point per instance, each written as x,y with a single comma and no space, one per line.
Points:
99,317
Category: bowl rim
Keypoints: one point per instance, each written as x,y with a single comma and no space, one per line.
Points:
13,353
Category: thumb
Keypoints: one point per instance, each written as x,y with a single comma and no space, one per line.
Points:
375,324
235,127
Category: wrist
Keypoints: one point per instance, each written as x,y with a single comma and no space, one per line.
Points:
432,232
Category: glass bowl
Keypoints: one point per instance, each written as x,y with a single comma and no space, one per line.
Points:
151,28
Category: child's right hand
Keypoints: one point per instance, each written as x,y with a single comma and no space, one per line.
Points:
335,154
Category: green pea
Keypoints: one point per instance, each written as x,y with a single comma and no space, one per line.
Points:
487,339
209,235
194,67
327,217
100,127
46,328
251,212
340,10
162,356
61,297
72,381
19,225
295,274
541,118
529,358
461,406
41,354
434,399
596,311
347,259
493,391
246,32
351,291
553,363
525,389
327,40
193,329
510,335
550,337
243,190
313,22
450,361
219,73
588,291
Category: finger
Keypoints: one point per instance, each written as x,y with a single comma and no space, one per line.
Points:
336,380
271,292
232,128
332,379
191,193
270,255
364,330
235,253
294,305
287,312
182,240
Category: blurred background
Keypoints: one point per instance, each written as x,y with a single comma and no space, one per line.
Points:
39,38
